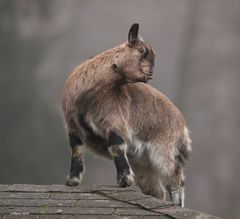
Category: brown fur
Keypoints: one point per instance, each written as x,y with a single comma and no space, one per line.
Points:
109,93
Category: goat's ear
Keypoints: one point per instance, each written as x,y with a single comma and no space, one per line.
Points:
115,67
133,35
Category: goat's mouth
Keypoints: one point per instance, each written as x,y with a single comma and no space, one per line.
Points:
148,75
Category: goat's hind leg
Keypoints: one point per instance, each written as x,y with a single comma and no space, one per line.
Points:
77,166
176,188
147,178
117,149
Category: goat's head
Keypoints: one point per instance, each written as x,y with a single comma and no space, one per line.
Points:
136,64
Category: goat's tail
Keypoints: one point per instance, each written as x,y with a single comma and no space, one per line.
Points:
184,147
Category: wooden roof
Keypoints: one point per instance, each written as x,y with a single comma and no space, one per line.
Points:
59,201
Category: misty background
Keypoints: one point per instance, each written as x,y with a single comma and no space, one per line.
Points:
197,45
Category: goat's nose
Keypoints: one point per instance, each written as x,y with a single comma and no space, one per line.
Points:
150,71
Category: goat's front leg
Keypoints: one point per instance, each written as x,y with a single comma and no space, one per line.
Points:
117,149
77,167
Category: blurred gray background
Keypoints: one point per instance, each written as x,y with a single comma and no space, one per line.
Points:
197,46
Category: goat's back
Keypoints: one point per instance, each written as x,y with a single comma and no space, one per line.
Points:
152,113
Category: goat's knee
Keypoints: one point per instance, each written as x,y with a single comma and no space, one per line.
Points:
117,150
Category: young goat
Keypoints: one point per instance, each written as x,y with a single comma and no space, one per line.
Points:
109,107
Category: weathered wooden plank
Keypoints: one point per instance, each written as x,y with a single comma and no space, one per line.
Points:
46,188
184,213
57,195
4,188
134,212
103,204
5,195
19,195
114,188
124,196
37,202
151,203
64,202
77,196
37,216
56,210
46,210
59,188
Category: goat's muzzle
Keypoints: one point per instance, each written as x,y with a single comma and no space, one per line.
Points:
148,75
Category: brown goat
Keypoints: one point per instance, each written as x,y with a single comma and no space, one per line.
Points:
109,108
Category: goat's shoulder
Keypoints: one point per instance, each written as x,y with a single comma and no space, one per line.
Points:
146,93
152,102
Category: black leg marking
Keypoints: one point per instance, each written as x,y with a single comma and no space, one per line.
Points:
121,163
74,140
123,170
77,166
98,140
114,139
124,175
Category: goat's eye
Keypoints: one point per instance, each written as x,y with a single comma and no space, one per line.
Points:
141,50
